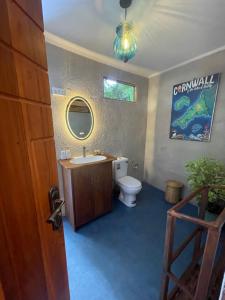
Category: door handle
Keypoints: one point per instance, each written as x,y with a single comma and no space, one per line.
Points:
56,205
56,217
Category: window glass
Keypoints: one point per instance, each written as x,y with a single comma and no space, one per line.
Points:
117,90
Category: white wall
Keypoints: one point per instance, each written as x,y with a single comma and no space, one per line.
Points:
119,127
165,158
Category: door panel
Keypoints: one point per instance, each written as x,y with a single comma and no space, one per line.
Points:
34,121
32,80
34,9
8,278
44,90
17,205
26,35
2,294
38,120
27,78
45,176
32,260
8,79
4,24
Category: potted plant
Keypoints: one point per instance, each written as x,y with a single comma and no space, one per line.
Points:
205,171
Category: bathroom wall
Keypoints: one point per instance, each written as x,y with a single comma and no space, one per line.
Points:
119,127
165,158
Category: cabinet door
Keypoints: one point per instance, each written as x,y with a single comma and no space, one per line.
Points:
102,188
83,195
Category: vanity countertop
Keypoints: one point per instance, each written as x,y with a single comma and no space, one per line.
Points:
68,165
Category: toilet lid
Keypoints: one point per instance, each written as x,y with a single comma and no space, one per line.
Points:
129,182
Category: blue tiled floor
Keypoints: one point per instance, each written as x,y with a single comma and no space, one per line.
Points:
119,256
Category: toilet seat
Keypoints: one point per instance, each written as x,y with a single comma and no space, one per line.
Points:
129,186
129,182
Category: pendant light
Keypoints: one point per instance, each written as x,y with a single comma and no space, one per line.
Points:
125,45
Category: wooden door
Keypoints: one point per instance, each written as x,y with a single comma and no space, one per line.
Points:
2,296
32,255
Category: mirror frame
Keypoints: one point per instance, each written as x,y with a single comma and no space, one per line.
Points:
67,117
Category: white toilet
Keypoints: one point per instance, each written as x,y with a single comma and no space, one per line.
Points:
129,186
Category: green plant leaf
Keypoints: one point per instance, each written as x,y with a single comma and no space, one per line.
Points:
206,171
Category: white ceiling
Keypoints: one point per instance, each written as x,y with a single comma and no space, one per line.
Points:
169,32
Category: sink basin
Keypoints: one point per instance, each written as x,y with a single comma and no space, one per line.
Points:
86,160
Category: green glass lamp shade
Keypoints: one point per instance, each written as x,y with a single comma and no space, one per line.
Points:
125,45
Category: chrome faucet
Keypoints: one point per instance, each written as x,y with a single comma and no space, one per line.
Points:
84,151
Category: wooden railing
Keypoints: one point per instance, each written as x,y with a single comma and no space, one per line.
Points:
208,269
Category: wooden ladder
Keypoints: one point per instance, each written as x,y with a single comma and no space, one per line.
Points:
203,276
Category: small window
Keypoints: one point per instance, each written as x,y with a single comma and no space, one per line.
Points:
117,90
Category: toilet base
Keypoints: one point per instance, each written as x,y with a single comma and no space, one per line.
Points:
128,199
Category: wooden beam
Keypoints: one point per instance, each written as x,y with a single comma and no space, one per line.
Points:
185,243
207,265
167,255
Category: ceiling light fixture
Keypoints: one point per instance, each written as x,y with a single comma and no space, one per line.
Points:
125,45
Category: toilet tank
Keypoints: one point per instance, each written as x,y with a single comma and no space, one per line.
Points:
120,167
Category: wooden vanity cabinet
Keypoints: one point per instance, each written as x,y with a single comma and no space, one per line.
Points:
87,192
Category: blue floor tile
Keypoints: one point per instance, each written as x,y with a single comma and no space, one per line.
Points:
119,256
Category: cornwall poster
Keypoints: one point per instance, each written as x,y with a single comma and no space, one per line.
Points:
193,107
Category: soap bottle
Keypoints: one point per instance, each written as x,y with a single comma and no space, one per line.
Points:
63,154
68,153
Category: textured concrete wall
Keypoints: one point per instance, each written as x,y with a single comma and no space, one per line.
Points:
165,158
119,127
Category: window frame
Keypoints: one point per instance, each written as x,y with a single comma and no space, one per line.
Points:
123,82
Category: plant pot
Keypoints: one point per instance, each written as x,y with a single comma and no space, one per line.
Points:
216,207
210,217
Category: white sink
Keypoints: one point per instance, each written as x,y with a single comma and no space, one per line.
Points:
86,160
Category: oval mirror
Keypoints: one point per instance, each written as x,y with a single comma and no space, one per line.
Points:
79,118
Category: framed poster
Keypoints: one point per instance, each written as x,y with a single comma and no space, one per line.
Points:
193,107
